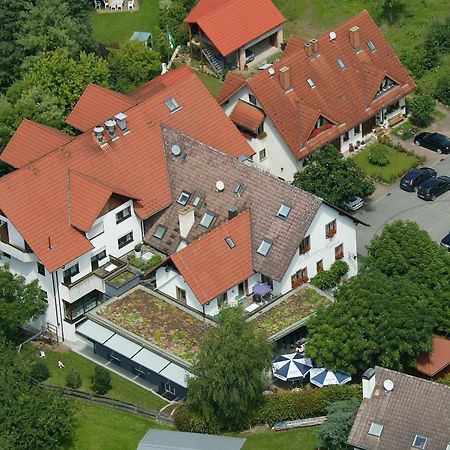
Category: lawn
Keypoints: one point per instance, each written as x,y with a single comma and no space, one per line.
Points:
399,164
213,84
158,321
298,439
122,389
291,309
118,27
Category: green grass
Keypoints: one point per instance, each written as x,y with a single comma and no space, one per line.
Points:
122,389
118,27
399,164
298,439
122,278
100,428
213,84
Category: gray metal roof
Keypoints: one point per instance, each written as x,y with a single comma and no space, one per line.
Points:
150,360
94,331
123,346
171,440
176,374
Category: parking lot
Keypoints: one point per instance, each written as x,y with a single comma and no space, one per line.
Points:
395,204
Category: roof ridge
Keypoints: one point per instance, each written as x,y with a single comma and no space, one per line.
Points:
412,377
111,91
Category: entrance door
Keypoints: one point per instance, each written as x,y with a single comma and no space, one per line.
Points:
241,289
368,126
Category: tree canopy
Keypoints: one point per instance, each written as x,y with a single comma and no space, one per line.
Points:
332,178
228,374
19,302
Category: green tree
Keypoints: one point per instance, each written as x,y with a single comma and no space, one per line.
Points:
443,89
171,17
228,374
333,433
131,65
101,380
422,107
31,417
379,155
389,8
19,302
73,379
334,179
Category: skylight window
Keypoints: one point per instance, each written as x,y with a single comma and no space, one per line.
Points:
284,211
172,104
239,188
230,242
207,219
160,231
196,201
311,83
264,247
184,198
376,429
341,63
420,441
371,46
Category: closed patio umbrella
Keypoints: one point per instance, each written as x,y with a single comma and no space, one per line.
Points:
291,367
320,376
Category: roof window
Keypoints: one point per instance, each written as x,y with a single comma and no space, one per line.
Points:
172,104
207,219
284,211
340,63
371,46
264,247
239,188
311,83
160,231
376,429
196,201
184,198
420,441
230,242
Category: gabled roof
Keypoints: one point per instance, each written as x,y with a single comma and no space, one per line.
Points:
230,24
31,141
247,116
197,171
96,105
233,82
432,363
345,96
413,407
210,267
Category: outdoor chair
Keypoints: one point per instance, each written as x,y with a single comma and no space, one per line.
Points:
130,4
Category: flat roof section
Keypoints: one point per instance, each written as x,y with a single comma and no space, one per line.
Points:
176,374
123,346
150,360
94,331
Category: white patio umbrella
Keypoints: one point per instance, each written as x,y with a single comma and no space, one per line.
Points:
291,367
320,376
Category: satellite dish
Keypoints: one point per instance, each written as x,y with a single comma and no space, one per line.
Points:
388,385
271,71
332,35
176,150
220,186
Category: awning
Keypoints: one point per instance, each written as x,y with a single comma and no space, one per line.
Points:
123,346
176,374
94,331
150,360
247,116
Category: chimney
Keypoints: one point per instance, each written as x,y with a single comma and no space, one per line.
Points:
354,37
186,220
285,79
368,382
314,45
98,131
121,119
111,129
308,49
232,213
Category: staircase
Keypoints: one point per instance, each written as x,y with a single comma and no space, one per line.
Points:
214,63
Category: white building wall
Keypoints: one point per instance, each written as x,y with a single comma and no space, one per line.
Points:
323,248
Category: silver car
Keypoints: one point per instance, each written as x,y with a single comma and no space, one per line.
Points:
354,204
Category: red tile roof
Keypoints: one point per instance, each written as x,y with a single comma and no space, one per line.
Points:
31,141
230,24
248,116
432,363
233,82
210,267
96,105
344,96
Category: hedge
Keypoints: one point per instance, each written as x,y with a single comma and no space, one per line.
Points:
186,420
327,279
303,404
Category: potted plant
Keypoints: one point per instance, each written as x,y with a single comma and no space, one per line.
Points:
138,250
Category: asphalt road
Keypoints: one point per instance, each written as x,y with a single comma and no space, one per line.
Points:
396,204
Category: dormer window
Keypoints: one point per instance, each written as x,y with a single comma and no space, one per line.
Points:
311,83
172,104
371,46
264,247
284,211
184,198
386,85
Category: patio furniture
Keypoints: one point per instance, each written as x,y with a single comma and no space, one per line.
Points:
320,377
97,4
130,4
119,5
291,367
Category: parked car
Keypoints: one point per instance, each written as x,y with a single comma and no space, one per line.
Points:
434,141
434,187
354,204
249,56
446,242
411,181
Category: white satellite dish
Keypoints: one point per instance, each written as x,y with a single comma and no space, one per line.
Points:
271,71
176,150
220,186
388,385
332,35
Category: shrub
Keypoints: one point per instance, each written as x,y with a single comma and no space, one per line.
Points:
301,405
327,279
138,247
73,379
378,155
40,372
186,420
443,89
145,265
101,381
422,107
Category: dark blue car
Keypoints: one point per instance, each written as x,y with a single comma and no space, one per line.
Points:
434,187
446,242
414,178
